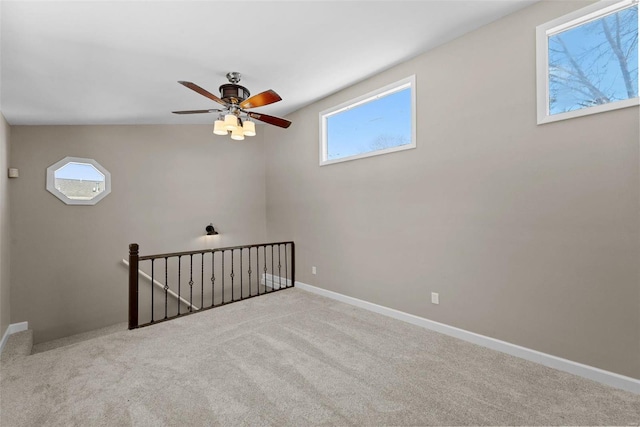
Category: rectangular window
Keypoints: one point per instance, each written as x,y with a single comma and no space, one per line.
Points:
379,122
587,61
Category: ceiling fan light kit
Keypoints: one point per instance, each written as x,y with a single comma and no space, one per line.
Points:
249,128
218,128
234,119
230,122
237,134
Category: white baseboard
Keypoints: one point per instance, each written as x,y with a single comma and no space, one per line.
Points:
12,329
275,282
605,377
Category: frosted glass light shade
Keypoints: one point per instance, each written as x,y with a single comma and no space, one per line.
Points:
218,128
237,134
249,128
230,122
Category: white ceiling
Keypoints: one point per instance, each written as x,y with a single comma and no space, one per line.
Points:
118,62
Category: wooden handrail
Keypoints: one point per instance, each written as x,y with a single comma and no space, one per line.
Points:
206,251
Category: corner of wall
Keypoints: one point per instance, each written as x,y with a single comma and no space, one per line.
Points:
5,298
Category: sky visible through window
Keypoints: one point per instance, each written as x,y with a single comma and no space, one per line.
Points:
594,63
79,171
381,123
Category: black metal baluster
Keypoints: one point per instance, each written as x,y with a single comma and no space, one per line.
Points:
279,269
241,274
166,284
179,272
286,268
202,280
249,271
222,277
213,277
293,264
233,294
152,288
191,283
265,268
257,270
273,281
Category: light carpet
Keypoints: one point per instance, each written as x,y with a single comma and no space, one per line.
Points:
295,358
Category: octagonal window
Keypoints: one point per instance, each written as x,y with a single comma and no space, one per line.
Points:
78,181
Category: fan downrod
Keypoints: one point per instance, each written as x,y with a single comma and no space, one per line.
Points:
234,77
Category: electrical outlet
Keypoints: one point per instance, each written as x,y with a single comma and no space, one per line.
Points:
313,270
435,298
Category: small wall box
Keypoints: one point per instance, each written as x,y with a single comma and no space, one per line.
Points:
14,173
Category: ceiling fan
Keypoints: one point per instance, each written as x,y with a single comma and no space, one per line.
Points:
236,100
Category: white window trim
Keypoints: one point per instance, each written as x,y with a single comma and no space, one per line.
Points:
574,19
409,82
60,195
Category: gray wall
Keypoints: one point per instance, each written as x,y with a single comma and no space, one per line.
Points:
168,183
529,233
5,306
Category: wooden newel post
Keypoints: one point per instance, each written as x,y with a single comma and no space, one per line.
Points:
133,285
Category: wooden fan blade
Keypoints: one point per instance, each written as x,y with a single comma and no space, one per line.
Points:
202,92
265,98
194,111
276,121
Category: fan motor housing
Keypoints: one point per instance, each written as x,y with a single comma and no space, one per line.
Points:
233,94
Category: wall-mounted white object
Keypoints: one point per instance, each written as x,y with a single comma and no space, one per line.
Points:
14,173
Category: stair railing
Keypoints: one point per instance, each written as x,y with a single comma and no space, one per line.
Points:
251,270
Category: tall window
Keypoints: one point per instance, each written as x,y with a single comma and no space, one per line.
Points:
379,122
588,61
